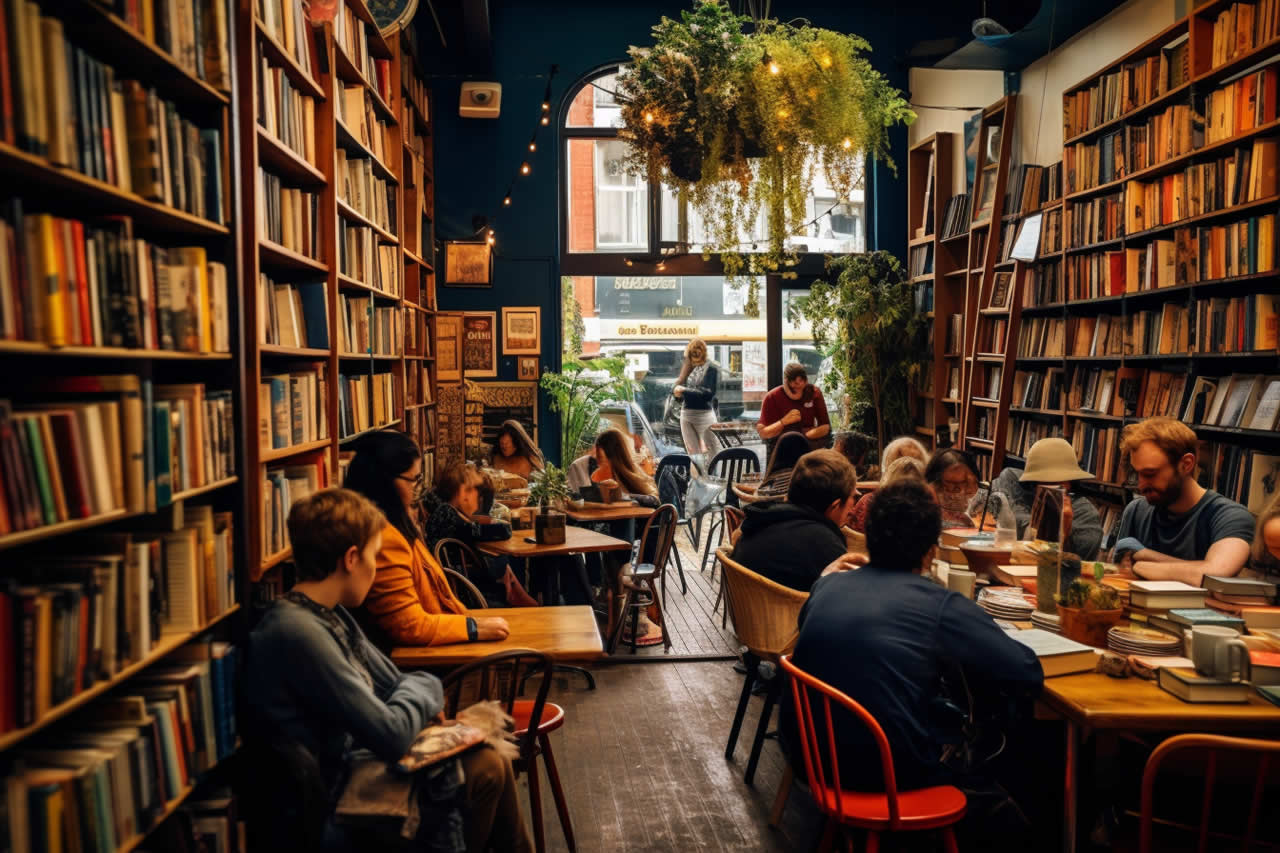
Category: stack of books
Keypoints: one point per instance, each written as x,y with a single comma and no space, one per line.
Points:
1253,601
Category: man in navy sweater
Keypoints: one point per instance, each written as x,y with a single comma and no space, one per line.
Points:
889,639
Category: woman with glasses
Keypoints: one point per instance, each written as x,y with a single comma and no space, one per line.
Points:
410,602
954,478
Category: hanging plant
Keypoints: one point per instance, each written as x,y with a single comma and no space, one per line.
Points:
738,122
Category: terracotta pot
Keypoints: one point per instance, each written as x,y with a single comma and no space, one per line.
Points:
1088,626
548,527
983,559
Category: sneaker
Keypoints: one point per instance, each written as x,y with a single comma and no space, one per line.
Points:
740,667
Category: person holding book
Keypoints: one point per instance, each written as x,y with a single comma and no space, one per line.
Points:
891,640
1052,462
1178,530
791,542
514,451
410,602
795,406
954,478
312,677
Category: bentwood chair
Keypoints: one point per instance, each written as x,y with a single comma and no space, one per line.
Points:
681,467
924,809
730,464
460,557
733,518
465,591
502,676
646,586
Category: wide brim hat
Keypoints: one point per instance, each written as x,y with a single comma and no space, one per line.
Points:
1052,460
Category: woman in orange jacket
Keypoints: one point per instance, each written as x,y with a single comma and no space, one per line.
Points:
410,602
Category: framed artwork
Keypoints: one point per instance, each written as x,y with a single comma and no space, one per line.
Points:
468,264
521,331
480,344
527,368
448,348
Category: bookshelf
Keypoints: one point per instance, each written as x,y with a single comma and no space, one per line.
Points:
122,386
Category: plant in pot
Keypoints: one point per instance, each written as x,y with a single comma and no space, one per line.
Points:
578,392
865,320
548,488
1088,611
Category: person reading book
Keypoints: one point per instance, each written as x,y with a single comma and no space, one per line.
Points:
1052,462
1178,530
790,542
795,406
889,639
312,677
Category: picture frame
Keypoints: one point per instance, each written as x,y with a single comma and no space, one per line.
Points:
468,264
448,348
527,368
522,330
479,344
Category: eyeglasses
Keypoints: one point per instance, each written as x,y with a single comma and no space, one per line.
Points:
417,482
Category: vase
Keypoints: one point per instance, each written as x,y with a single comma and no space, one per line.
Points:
1088,626
548,527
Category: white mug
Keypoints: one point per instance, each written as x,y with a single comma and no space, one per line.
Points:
961,581
1218,652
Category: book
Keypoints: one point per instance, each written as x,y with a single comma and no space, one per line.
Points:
1239,586
1163,595
1190,616
1269,692
1057,654
1265,667
1189,686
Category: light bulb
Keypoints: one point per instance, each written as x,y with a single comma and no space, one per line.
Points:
661,266
826,61
648,117
774,69
546,106
628,261
490,239
524,168
847,144
533,146
779,146
546,120
506,202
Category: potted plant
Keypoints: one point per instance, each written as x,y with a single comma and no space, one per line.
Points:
548,489
1088,611
576,394
866,321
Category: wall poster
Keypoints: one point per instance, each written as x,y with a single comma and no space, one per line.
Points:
479,344
448,348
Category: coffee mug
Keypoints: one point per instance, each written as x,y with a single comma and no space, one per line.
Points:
961,581
1219,652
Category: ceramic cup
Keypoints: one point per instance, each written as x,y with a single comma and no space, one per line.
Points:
961,581
1219,652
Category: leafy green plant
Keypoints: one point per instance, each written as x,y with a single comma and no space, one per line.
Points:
866,322
737,122
1086,596
575,329
578,392
548,486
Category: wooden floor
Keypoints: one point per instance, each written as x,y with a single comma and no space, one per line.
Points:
642,761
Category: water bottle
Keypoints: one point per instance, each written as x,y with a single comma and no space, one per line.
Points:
1006,523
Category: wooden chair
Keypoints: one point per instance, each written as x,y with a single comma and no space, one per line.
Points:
684,468
937,808
459,556
764,618
733,518
647,585
731,464
1216,750
504,674
465,591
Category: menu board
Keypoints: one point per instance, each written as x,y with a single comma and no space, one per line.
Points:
450,444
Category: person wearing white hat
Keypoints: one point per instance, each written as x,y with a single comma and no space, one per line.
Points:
1052,462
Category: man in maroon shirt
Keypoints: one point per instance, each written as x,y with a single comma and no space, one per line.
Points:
795,406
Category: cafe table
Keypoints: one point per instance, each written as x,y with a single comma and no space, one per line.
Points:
565,634
577,540
624,511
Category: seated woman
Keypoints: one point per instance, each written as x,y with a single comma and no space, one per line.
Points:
777,474
312,677
514,451
902,468
410,602
855,446
615,461
954,478
901,447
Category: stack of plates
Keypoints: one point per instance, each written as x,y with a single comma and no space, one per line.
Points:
1133,639
1006,602
1046,621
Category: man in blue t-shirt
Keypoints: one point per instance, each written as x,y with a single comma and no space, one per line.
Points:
1178,530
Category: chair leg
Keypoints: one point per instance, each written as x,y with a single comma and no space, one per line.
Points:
622,621
770,698
557,792
748,681
828,836
873,842
949,840
577,670
716,526
662,616
684,587
635,627
780,801
724,617
535,805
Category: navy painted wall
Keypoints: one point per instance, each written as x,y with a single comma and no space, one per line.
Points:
475,159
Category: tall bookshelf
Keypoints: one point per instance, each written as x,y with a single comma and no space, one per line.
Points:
132,343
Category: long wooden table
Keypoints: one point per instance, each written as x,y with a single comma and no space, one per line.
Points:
566,634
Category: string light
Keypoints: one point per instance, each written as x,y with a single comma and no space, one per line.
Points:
533,146
648,117
506,202
524,168
847,144
490,239
825,60
546,106
662,265
546,120
774,69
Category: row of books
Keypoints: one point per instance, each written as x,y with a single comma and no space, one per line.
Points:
417,376
210,823
293,408
193,32
287,215
418,423
106,780
368,327
352,39
65,458
1248,174
70,282
1176,131
1042,286
81,613
366,401
284,111
1242,27
1247,401
287,23
1245,475
1236,324
364,258
419,196
1129,87
1042,337
955,334
417,333
992,334
416,92
364,192
1032,187
1051,232
293,314
1038,389
920,260
1097,446
986,384
924,296
955,219
1024,432
282,486
355,113
1095,220
1241,105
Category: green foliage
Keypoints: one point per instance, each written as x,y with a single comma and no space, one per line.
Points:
737,121
1086,596
547,486
577,396
574,327
867,323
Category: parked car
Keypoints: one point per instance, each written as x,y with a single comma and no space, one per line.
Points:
630,418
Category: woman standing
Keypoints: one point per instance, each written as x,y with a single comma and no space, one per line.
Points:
514,451
696,389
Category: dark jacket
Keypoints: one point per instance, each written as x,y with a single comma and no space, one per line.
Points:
787,543
701,395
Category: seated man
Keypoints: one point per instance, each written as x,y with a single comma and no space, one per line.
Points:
792,541
1178,530
1052,462
888,637
313,678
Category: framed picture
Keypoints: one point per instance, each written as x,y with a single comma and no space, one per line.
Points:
448,348
480,344
521,331
468,264
527,368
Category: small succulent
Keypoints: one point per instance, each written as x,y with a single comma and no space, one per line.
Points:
1087,596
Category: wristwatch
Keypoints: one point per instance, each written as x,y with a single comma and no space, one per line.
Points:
473,630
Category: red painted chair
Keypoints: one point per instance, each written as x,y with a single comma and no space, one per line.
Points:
939,807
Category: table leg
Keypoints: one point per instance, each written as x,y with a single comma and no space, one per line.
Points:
1070,788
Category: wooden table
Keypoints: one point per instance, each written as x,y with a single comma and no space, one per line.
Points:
1092,701
577,540
627,512
567,634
